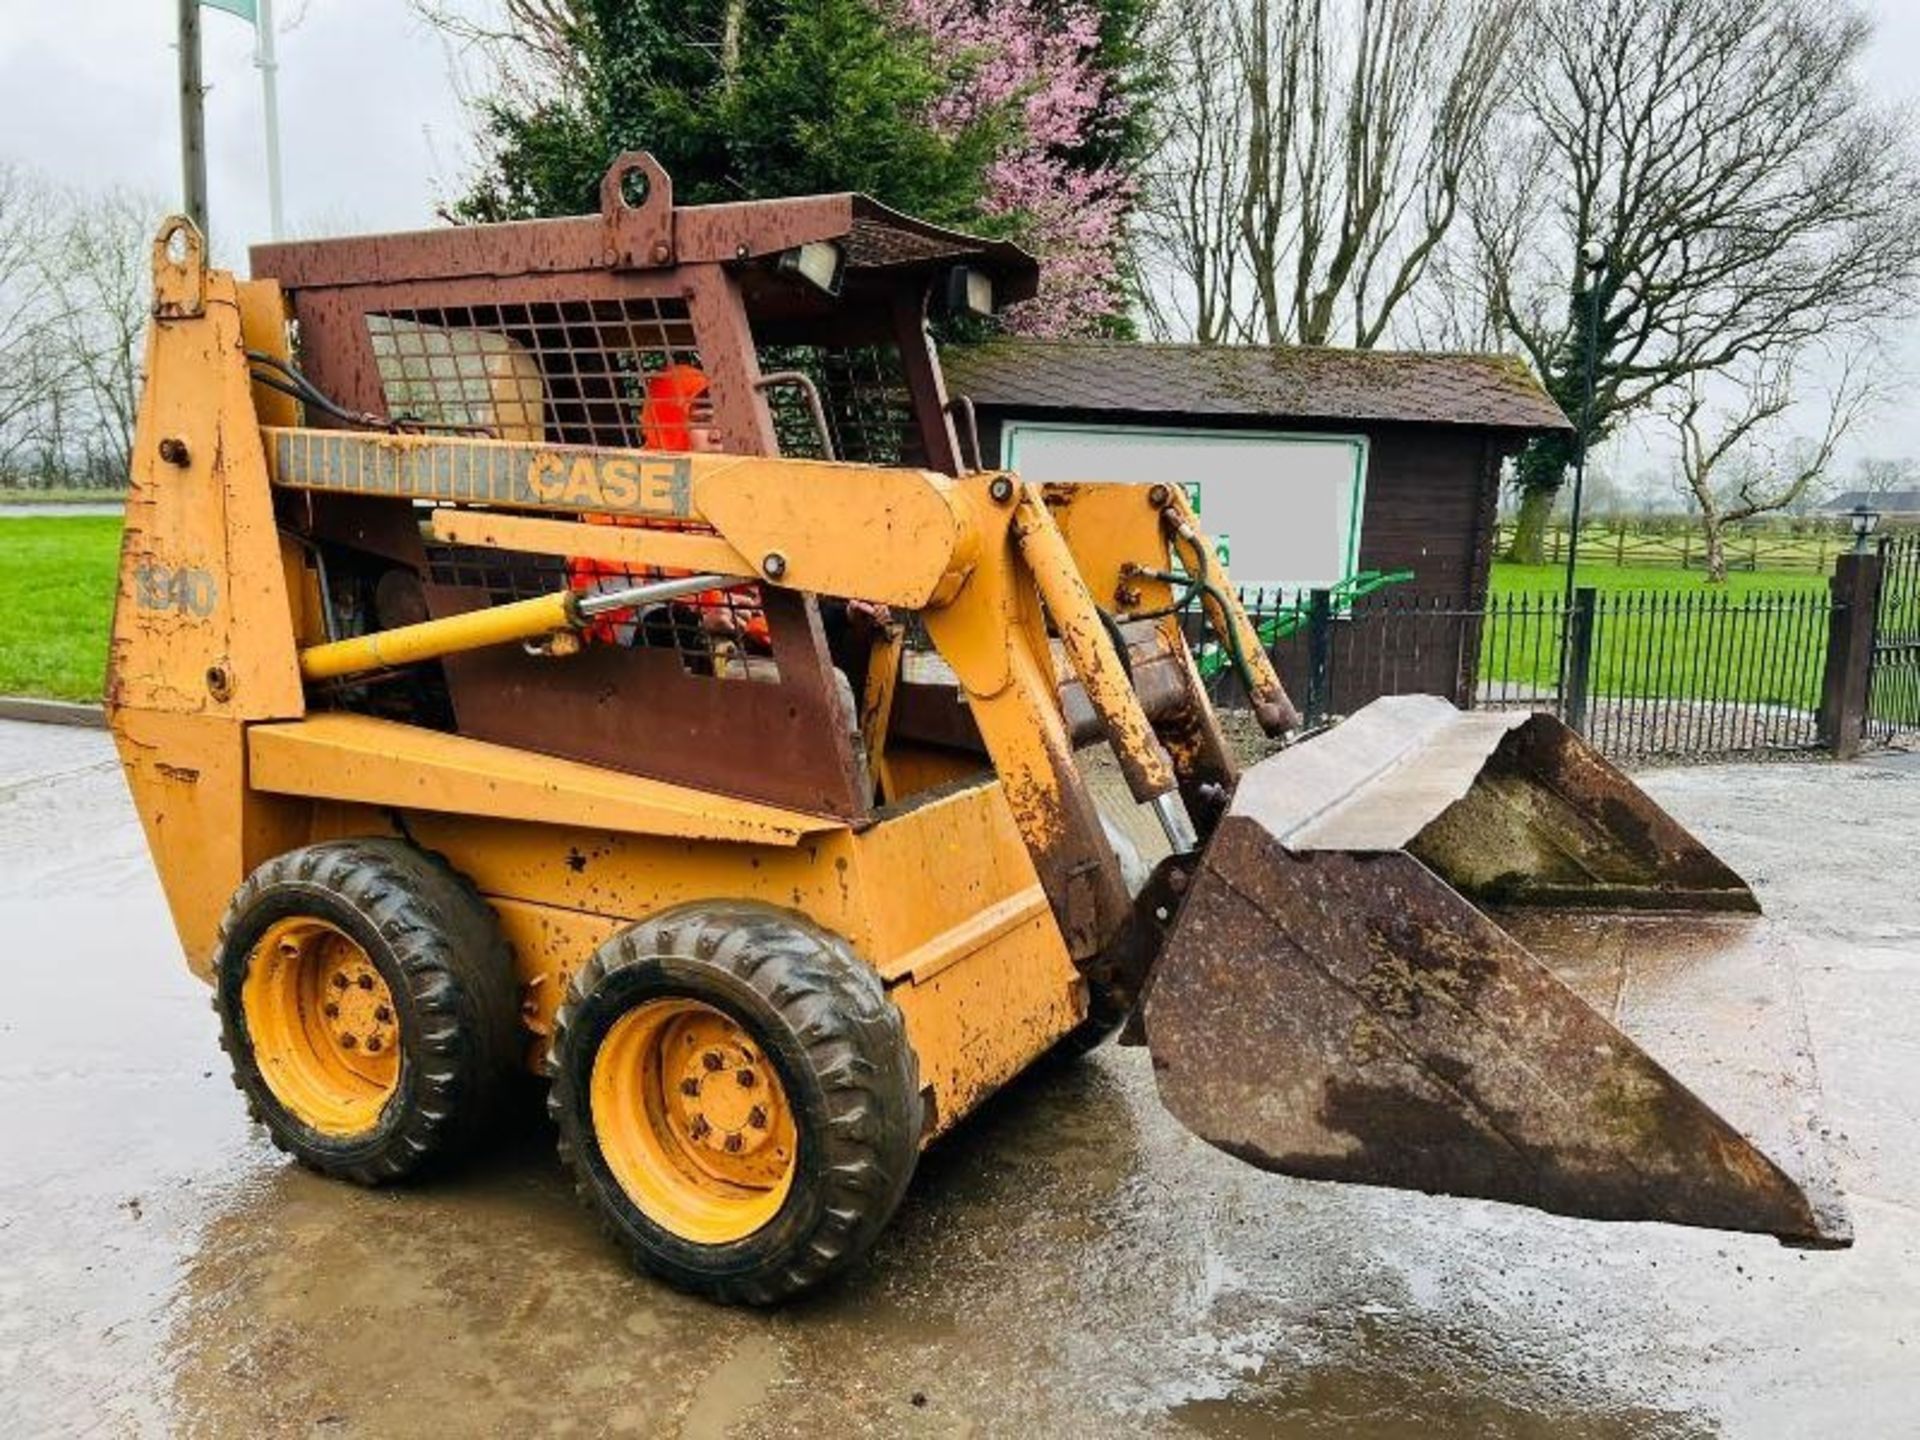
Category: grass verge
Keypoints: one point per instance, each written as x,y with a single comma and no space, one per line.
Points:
56,603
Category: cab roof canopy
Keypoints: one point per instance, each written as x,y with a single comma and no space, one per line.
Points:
639,228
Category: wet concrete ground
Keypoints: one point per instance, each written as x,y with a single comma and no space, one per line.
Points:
1070,1264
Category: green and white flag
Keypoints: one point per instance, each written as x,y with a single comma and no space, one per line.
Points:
245,9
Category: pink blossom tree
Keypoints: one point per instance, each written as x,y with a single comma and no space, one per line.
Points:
1035,65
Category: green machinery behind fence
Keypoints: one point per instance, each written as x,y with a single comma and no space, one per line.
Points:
1287,620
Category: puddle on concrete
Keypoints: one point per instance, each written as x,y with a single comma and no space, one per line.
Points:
1071,1263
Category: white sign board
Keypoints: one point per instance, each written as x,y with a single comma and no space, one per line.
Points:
1285,508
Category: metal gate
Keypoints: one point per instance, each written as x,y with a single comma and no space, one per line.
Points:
1893,683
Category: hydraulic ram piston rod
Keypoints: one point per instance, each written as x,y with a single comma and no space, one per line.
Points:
495,625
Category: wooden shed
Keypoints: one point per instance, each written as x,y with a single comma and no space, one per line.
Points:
1311,464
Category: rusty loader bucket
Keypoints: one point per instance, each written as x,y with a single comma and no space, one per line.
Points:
1441,951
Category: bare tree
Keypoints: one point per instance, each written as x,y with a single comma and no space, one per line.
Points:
520,53
1744,194
1733,462
537,34
34,367
1189,218
103,275
1314,160
74,280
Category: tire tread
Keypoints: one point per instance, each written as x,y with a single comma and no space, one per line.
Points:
855,1043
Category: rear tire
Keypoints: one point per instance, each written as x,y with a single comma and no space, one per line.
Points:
367,1003
736,1098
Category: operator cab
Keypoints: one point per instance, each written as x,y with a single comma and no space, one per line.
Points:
794,327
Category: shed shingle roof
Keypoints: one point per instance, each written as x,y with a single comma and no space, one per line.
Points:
1887,502
1253,381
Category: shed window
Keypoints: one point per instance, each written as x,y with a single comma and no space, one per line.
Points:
1284,507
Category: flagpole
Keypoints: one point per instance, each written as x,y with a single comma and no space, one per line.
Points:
193,133
263,57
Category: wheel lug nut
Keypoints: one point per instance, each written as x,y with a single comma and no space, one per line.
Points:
366,982
746,1079
712,1060
700,1129
347,1042
331,1009
733,1144
689,1086
373,1042
382,1014
757,1118
339,980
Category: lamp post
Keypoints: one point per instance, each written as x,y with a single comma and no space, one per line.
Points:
1593,260
193,125
269,67
1863,518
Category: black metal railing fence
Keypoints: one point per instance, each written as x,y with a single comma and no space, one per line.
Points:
1893,682
1643,674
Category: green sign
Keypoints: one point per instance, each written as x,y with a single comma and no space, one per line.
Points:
243,8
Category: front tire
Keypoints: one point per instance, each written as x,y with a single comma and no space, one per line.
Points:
367,1004
736,1098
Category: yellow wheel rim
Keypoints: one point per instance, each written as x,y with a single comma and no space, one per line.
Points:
693,1121
325,1035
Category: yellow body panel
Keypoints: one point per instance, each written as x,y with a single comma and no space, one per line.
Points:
636,547
382,762
206,829
941,899
812,524
201,621
1109,528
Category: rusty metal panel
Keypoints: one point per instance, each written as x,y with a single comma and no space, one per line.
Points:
644,712
1352,1017
1550,821
653,232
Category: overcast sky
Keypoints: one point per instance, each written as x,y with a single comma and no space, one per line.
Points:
373,130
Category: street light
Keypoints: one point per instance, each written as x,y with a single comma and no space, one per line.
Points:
1593,260
1863,518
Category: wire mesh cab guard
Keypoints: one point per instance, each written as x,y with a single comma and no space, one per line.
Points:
644,326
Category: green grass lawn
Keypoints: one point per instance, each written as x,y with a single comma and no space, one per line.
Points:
56,603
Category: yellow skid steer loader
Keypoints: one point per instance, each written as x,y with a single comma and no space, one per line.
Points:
593,646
